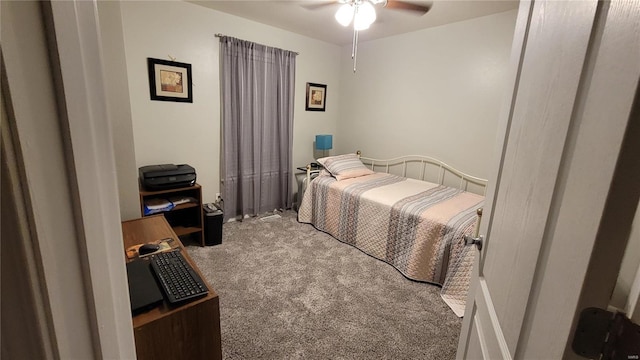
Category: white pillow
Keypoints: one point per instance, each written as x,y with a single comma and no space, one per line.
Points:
344,166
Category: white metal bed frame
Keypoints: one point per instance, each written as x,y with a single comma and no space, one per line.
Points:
442,169
386,165
424,162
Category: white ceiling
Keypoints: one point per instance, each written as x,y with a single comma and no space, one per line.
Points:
314,18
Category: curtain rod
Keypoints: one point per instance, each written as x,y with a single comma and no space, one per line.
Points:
221,35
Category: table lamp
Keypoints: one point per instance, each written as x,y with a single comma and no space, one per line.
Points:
324,142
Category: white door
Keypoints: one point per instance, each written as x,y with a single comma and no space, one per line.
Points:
558,207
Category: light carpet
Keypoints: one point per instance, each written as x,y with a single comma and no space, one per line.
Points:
288,291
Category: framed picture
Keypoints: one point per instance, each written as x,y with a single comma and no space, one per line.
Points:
169,80
316,97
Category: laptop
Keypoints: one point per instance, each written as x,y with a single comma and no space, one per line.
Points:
144,292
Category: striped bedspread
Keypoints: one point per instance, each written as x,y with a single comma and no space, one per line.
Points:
413,225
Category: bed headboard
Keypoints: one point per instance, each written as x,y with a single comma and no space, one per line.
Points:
427,169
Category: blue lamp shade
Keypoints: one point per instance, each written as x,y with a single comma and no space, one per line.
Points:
324,142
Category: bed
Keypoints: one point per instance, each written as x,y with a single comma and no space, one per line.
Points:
411,212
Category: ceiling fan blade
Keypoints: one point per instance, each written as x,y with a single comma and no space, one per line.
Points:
319,4
403,5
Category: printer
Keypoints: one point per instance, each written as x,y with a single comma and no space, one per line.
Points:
166,176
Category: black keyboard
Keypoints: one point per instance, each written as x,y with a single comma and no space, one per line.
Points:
177,278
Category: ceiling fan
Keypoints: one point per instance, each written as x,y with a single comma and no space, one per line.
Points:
363,13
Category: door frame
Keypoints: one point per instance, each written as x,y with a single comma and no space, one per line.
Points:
64,152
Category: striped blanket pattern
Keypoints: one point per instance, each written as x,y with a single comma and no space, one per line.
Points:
415,226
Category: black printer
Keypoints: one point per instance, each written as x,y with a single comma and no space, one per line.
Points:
167,176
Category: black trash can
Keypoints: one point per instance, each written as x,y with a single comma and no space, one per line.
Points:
212,225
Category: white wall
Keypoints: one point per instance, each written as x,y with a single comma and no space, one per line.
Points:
433,92
170,132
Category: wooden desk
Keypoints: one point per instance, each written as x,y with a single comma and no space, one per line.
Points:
190,331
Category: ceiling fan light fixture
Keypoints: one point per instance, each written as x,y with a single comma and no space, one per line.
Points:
365,16
360,25
345,14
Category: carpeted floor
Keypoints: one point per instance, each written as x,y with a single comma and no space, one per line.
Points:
288,291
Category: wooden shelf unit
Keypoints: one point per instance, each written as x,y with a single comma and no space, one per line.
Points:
185,219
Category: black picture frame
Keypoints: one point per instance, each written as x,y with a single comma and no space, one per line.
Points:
316,97
169,80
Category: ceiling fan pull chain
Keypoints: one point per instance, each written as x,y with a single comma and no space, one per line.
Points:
353,44
354,47
355,51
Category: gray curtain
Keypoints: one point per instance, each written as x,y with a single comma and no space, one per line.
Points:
257,91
